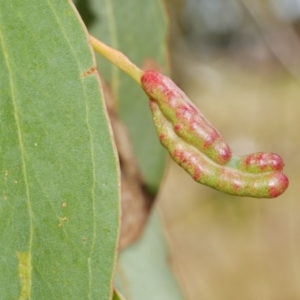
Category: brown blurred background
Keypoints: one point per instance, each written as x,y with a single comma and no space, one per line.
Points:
239,61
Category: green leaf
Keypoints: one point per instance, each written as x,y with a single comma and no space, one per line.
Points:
143,270
138,29
59,180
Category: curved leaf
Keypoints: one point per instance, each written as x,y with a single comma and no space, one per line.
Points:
59,189
143,270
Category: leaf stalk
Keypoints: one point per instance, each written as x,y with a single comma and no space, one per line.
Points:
118,59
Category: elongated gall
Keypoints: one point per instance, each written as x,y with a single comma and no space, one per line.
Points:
202,169
187,121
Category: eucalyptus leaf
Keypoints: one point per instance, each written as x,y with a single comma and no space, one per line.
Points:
59,210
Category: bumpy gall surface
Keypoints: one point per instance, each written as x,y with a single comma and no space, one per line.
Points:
261,162
187,121
199,148
205,171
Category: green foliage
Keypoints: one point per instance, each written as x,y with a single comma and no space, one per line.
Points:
59,212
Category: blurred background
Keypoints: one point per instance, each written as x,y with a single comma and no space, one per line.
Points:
239,61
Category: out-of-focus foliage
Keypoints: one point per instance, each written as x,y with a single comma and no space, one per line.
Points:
143,271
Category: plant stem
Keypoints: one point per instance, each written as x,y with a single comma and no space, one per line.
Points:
118,59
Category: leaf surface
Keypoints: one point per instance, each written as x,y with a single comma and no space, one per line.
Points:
59,209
